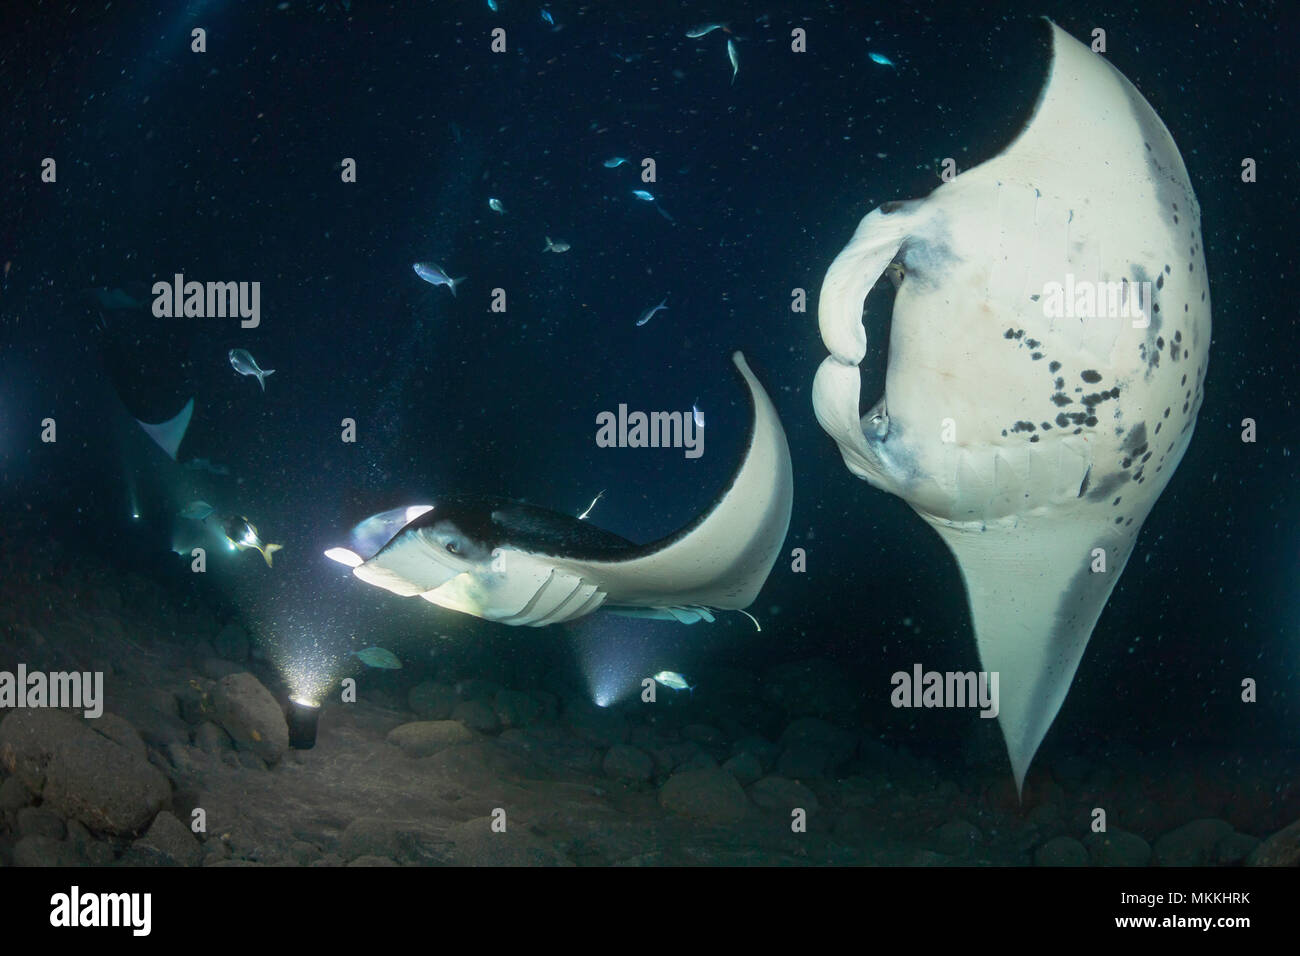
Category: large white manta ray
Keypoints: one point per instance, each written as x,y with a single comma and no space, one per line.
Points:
1031,425
516,563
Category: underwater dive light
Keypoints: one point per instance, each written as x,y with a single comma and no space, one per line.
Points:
304,715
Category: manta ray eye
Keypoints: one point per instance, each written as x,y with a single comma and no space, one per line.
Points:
452,547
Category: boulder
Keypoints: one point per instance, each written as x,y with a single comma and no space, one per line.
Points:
94,771
1117,848
173,840
707,795
1061,851
1281,849
778,793
423,738
251,715
477,715
44,851
432,701
1192,844
627,763
745,767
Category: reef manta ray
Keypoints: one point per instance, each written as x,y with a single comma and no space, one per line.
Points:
1032,427
515,563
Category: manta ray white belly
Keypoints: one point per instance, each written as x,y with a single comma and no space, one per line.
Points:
1031,428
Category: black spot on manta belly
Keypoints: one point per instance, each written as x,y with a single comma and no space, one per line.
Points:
1090,376
1053,368
1108,485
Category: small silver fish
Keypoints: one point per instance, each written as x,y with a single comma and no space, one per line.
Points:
552,246
614,162
735,60
882,60
649,313
433,274
244,363
546,15
379,658
496,206
583,516
673,681
242,535
643,195
704,29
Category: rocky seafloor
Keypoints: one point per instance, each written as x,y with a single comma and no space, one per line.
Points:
419,773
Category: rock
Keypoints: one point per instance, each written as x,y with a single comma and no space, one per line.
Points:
38,821
232,643
697,761
249,760
373,861
211,739
778,793
100,778
304,853
710,796
14,795
547,702
372,836
477,715
94,852
598,726
1061,851
956,838
1117,848
766,751
745,767
474,689
1234,848
251,715
120,732
516,709
627,763
194,701
1191,844
814,748
43,851
1281,849
173,840
432,701
215,668
476,844
29,737
423,738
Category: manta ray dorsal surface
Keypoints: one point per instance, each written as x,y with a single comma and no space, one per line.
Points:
1047,353
519,564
